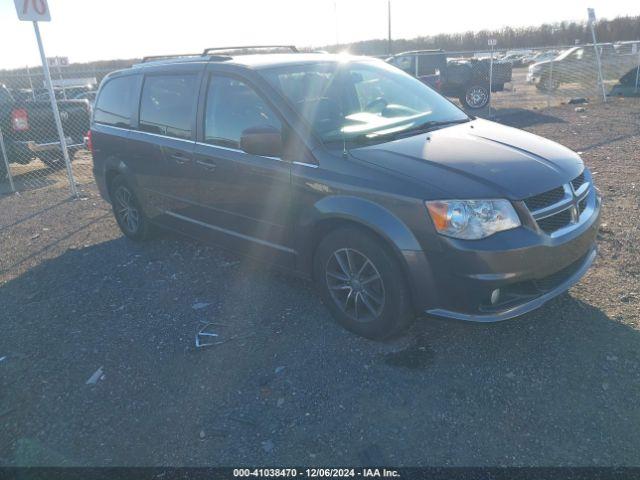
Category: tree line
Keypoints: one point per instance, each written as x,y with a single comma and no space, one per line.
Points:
545,35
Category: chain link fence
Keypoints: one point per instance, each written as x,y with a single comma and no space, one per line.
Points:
33,157
528,78
487,84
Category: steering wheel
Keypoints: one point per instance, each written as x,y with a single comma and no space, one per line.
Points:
374,103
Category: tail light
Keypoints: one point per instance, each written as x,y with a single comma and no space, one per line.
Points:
19,120
89,142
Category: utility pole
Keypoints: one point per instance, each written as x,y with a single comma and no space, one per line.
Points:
389,27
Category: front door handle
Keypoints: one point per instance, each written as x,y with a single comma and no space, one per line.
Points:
207,165
179,158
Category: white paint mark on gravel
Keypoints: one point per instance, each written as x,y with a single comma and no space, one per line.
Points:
200,305
93,379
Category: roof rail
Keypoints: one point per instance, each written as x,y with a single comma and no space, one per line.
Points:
249,47
152,58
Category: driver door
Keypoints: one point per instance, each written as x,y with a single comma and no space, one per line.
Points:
244,198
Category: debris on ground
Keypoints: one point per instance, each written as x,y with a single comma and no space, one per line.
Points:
580,109
97,375
205,335
2,359
267,446
279,370
200,305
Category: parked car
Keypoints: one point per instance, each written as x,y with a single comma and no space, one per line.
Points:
30,132
516,59
90,96
348,171
465,79
579,64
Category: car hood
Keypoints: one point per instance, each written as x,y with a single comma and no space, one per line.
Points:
477,159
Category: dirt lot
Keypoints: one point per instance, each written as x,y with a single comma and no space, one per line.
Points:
289,387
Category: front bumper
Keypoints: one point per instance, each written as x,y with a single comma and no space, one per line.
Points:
528,305
528,267
49,146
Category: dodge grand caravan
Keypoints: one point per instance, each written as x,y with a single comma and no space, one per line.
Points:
348,171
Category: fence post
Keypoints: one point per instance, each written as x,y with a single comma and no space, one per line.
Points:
33,92
550,84
6,162
637,71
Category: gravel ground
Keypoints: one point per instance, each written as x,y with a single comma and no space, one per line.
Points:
289,387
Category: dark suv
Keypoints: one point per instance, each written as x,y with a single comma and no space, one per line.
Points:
351,172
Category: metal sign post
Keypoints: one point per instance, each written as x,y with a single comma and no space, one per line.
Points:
592,21
38,11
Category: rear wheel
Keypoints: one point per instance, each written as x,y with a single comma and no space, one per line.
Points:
547,84
126,208
3,171
475,96
362,284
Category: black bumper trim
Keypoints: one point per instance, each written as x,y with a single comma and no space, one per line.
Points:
523,308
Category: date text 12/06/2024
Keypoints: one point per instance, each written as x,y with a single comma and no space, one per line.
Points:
316,473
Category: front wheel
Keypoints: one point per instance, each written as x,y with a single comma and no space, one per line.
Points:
126,208
475,97
362,284
547,84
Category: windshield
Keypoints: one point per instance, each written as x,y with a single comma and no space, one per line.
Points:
342,101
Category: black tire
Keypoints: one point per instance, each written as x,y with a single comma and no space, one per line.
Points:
360,313
475,97
547,85
54,160
126,208
3,170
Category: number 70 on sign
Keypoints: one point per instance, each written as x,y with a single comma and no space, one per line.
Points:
33,10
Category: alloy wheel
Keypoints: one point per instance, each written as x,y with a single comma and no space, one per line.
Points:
355,284
477,97
126,209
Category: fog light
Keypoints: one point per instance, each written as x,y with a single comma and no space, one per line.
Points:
495,296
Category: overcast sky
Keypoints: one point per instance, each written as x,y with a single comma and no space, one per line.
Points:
87,30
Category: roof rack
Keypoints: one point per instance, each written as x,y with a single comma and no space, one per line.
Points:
152,58
249,47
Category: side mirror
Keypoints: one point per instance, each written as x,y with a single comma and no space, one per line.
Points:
265,141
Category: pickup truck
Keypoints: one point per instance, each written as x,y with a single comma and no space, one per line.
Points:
464,78
29,130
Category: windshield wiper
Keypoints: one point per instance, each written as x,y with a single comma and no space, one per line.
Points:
415,130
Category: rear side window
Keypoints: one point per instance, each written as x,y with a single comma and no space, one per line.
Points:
232,106
167,105
115,102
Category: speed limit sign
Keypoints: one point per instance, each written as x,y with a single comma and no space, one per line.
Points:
33,10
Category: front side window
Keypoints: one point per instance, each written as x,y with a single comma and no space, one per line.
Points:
115,102
345,100
232,107
167,106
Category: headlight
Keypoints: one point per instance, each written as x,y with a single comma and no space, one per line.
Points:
472,219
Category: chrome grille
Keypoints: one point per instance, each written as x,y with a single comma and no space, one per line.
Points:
562,206
578,181
555,222
545,199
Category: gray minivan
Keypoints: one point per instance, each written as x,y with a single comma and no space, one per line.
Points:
348,171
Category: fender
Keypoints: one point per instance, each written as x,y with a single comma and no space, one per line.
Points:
114,164
377,218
